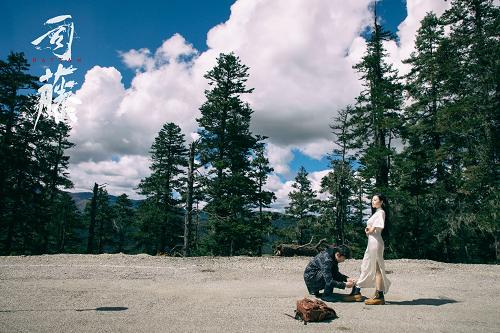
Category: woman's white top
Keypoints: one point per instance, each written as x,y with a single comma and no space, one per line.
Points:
377,220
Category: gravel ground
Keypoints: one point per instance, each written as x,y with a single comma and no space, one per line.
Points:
142,293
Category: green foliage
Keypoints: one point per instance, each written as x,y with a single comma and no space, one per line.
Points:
160,216
66,225
260,169
442,186
447,176
32,164
233,185
374,121
338,210
303,206
123,219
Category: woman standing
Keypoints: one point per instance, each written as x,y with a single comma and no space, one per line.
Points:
373,267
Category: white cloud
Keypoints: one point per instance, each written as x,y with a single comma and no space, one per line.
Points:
280,190
120,176
300,55
137,59
315,178
175,47
279,158
96,133
317,149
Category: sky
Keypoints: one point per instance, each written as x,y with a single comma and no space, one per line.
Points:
141,64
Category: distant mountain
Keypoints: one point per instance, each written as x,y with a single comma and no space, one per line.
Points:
81,199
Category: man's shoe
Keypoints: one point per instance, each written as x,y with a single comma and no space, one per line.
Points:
377,300
354,296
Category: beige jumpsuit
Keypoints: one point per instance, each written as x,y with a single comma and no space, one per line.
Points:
374,254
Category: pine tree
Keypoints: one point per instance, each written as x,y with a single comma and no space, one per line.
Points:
163,187
146,222
51,142
90,216
226,145
421,170
15,83
123,219
189,194
67,225
259,173
104,221
473,122
192,195
32,163
339,183
375,119
303,206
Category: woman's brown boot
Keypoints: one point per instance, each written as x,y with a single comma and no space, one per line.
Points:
377,300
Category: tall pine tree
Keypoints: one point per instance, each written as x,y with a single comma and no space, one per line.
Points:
262,198
340,183
163,188
375,118
421,169
473,122
226,145
303,206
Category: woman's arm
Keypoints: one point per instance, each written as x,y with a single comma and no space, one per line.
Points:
371,230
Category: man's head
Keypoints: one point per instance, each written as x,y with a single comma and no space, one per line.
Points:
342,252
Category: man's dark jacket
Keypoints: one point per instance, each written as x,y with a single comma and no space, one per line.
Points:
322,272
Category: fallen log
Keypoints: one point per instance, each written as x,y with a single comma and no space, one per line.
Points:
290,250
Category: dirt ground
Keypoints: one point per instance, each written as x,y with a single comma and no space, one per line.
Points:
141,293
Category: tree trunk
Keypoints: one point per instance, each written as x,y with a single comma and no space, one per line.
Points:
188,220
93,209
290,250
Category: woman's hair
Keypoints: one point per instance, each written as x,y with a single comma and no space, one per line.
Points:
385,207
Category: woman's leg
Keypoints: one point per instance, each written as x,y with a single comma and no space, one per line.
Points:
378,299
379,281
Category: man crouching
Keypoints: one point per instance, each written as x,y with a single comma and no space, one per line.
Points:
322,272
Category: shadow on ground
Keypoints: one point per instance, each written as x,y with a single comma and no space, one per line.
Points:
103,308
424,301
419,301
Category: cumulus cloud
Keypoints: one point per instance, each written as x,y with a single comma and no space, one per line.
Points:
300,55
280,190
137,59
279,158
120,176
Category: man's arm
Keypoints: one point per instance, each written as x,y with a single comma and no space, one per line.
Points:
340,277
330,282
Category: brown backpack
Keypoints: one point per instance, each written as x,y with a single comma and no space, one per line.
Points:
313,310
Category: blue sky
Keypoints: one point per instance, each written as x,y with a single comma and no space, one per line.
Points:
101,25
109,34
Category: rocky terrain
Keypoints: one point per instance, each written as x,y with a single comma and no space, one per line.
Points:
142,293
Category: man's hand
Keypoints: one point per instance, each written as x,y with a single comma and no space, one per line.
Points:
349,284
351,280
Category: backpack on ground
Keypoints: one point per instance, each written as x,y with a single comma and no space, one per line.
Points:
313,310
